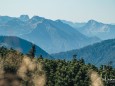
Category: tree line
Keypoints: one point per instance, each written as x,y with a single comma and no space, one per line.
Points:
58,72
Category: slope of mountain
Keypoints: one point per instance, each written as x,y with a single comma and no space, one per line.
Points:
94,28
11,26
97,54
55,36
5,19
112,23
21,45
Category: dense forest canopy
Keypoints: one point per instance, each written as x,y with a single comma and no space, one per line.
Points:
51,72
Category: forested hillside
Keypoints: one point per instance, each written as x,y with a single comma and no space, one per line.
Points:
97,54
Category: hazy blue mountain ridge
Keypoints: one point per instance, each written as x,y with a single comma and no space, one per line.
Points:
21,45
94,28
56,36
97,54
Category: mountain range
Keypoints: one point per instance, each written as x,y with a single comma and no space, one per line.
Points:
97,54
21,45
52,36
94,28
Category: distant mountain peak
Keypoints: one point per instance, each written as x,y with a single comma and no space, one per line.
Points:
37,17
36,20
24,17
92,21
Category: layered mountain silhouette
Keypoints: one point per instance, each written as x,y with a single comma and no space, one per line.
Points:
59,36
52,36
55,36
97,54
94,28
21,45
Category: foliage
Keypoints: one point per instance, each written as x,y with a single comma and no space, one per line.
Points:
32,51
58,72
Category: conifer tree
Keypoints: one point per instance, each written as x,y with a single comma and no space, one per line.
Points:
32,51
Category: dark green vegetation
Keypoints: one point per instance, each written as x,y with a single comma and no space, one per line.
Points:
58,72
97,54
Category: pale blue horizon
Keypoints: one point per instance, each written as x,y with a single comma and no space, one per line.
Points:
71,10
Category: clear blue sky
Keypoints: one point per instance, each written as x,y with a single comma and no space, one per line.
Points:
73,10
